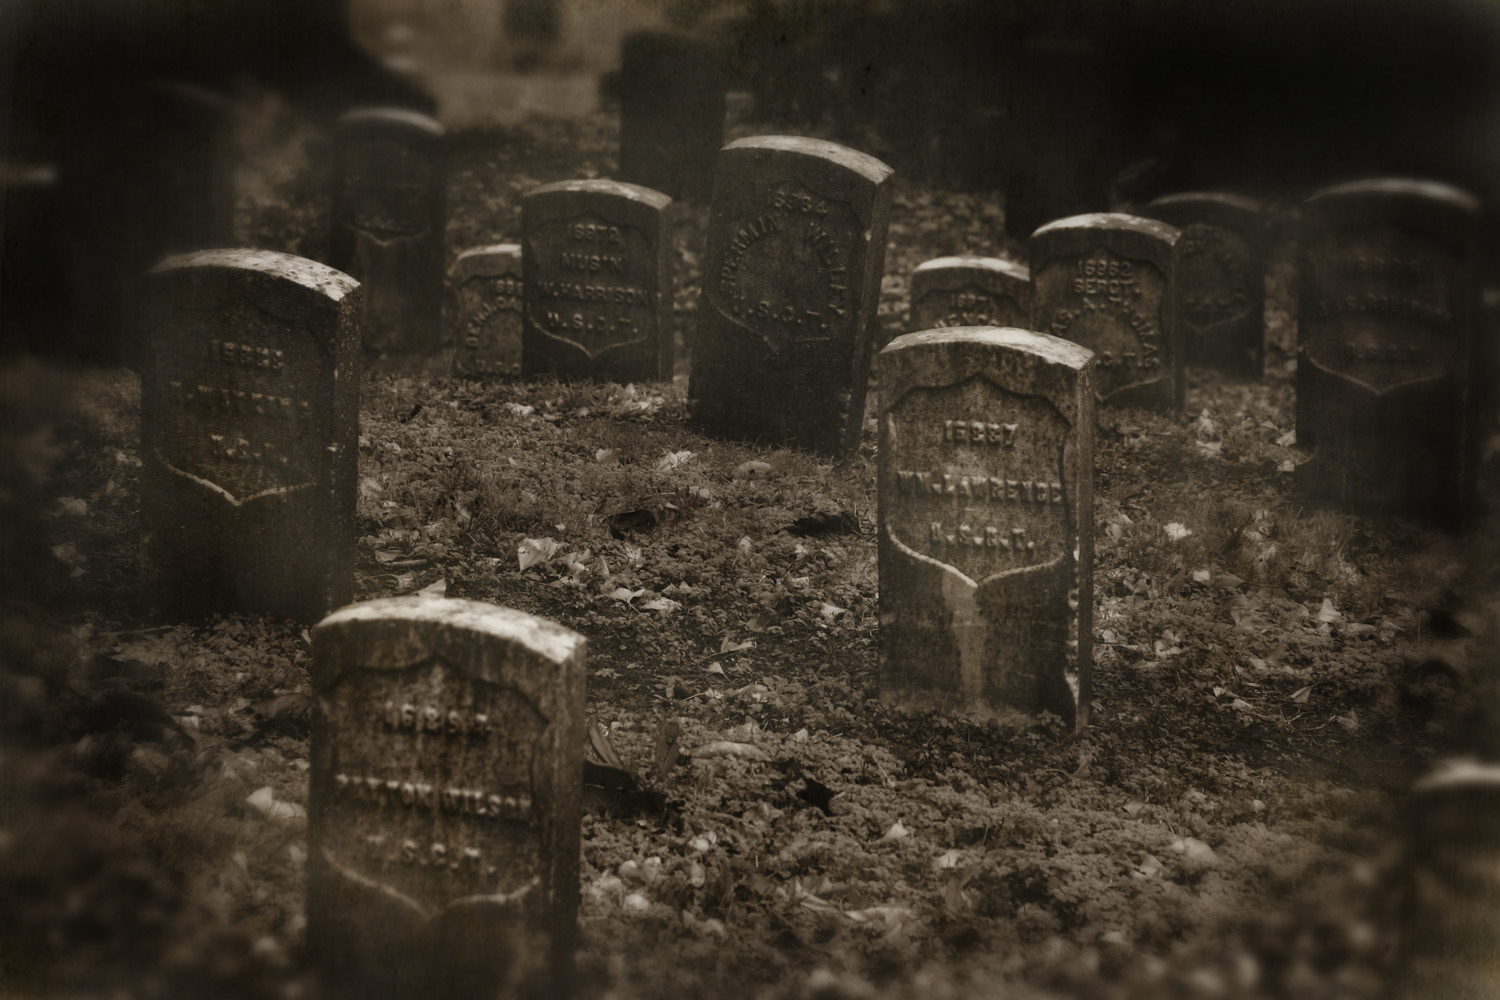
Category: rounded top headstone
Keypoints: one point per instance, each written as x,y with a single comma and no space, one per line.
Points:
327,281
995,264
1426,205
867,166
1214,208
649,197
1110,222
1053,350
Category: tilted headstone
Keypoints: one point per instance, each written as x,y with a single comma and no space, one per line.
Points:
1107,281
986,520
598,282
1384,348
485,303
249,430
388,222
1221,278
796,246
444,800
969,291
671,112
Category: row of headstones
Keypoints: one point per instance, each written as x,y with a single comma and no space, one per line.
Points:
249,394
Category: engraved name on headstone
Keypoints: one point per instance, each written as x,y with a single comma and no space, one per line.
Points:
1107,281
969,291
388,223
1385,340
444,800
671,112
249,427
1221,278
485,306
986,525
796,247
598,282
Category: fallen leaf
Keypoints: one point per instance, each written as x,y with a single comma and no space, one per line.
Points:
752,470
533,551
673,459
1176,530
663,604
724,748
896,832
1300,695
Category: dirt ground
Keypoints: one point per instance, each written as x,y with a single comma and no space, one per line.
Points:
1270,680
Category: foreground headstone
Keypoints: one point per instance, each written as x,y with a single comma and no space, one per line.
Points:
969,291
484,290
986,524
388,224
1107,281
796,246
1385,342
671,112
1450,881
444,800
249,431
1221,278
598,282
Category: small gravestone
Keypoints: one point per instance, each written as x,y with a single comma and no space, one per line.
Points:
986,521
598,281
969,291
1107,281
249,427
796,246
485,302
444,800
671,112
388,224
1221,278
1385,341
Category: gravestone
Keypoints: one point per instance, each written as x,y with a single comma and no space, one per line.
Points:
1221,279
444,800
388,223
1384,349
969,291
796,246
986,523
485,302
598,282
249,427
1108,282
671,112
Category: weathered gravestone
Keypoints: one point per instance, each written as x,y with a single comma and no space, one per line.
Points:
796,246
1450,882
1108,282
1221,278
1385,341
671,112
485,302
986,525
969,291
388,223
249,428
444,800
598,282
